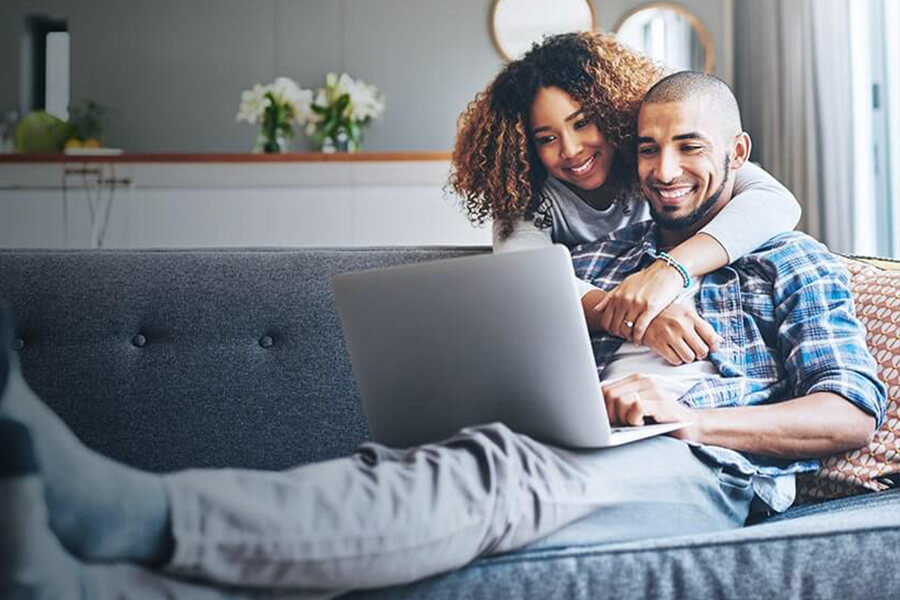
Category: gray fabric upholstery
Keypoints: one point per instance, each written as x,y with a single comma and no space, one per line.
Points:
189,358
159,358
839,555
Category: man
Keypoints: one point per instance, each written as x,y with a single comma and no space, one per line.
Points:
791,381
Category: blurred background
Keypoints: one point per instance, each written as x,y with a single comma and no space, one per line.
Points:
147,96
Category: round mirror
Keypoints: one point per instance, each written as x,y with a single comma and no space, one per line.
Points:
668,33
517,24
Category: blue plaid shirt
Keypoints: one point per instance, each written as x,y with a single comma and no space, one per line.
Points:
786,315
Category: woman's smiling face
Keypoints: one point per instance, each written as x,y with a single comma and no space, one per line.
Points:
569,144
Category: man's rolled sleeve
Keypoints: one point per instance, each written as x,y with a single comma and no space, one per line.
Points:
818,333
855,387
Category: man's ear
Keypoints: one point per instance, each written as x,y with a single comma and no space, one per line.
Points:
740,150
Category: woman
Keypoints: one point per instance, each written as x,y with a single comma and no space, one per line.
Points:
547,152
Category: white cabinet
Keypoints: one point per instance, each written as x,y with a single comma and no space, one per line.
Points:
242,204
32,218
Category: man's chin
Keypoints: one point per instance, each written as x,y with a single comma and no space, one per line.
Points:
668,214
671,220
677,218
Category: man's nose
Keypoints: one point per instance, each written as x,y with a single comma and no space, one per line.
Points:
571,145
669,167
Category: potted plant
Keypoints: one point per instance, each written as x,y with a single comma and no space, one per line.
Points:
276,107
342,110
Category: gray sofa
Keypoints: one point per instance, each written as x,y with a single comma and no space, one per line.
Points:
202,358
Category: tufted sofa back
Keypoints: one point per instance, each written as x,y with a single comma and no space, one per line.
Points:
168,359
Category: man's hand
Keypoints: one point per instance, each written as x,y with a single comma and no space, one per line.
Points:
632,399
680,336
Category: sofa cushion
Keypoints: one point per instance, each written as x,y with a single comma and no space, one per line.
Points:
830,554
876,292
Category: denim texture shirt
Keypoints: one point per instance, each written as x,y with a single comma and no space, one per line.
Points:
786,315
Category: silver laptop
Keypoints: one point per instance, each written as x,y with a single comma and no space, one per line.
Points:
443,345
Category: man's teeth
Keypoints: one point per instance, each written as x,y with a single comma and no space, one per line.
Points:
674,194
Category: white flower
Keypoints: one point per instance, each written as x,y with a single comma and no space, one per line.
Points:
345,85
364,99
288,92
253,103
302,107
367,102
285,90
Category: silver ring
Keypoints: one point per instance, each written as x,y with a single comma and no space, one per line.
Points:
629,324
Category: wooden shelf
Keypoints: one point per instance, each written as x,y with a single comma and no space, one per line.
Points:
228,157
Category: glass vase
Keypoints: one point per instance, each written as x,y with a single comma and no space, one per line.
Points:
272,144
341,140
275,134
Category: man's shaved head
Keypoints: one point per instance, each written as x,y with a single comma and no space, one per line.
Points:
690,144
687,86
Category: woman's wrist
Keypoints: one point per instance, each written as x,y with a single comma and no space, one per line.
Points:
700,254
673,263
661,271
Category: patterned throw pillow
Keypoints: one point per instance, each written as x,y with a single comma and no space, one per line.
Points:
876,292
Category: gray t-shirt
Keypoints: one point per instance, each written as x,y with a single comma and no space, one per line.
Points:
577,222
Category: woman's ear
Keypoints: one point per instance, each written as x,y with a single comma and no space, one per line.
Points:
740,150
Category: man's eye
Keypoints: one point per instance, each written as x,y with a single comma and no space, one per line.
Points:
691,148
646,151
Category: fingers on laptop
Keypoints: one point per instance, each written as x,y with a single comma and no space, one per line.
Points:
632,399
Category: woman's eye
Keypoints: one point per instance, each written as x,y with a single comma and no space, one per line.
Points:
582,123
543,140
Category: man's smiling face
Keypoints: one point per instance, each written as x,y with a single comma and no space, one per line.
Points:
683,162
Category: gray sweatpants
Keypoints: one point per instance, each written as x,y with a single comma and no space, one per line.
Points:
385,516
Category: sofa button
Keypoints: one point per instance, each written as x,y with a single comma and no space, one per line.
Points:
266,341
139,341
18,344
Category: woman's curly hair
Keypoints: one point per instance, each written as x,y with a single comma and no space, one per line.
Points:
495,168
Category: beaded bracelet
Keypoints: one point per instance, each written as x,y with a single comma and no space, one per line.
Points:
673,262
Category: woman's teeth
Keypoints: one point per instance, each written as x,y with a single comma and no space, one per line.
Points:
583,167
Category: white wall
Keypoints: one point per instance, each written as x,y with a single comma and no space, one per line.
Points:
173,70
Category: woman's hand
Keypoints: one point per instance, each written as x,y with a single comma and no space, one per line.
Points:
628,310
679,335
